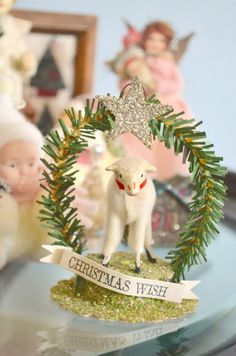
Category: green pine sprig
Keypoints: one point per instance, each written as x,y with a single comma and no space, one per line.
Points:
62,150
208,178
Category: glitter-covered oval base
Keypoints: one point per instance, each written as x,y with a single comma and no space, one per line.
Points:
100,303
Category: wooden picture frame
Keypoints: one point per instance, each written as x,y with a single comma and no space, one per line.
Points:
83,27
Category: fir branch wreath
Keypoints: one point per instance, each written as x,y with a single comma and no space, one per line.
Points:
183,135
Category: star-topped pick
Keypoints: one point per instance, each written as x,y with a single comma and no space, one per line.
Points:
133,113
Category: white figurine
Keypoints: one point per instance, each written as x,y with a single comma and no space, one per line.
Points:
16,59
130,199
20,173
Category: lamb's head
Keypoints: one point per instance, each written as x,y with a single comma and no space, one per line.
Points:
131,174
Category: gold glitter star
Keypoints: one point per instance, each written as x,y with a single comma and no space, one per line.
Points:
133,113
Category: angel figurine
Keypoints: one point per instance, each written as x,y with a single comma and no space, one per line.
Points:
153,55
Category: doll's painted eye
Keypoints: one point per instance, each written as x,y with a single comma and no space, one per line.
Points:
142,175
31,164
12,165
120,175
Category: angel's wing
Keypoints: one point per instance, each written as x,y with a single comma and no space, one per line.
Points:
116,64
130,40
181,47
133,37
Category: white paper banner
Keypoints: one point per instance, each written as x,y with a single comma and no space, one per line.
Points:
116,281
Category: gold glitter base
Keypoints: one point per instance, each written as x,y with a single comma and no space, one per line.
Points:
95,301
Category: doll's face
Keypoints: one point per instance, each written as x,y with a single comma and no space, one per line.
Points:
155,44
5,6
20,169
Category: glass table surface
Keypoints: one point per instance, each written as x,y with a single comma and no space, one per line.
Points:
30,324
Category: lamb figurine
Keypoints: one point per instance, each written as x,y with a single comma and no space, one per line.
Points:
130,199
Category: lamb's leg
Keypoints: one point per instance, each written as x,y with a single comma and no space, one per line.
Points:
114,233
138,263
148,243
150,255
106,260
136,240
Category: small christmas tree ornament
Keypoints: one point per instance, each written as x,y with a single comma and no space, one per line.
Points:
48,79
110,292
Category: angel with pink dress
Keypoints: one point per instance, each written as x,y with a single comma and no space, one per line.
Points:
152,56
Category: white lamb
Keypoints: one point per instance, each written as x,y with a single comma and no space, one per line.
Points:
130,199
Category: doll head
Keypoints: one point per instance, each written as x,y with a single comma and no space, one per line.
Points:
20,169
20,152
157,37
5,6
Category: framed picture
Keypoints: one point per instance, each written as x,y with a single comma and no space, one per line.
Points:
64,46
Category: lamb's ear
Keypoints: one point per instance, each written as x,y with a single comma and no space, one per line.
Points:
149,168
112,168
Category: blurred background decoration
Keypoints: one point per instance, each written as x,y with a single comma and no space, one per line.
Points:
64,46
208,67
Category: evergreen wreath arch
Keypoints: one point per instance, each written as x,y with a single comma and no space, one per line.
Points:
181,134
